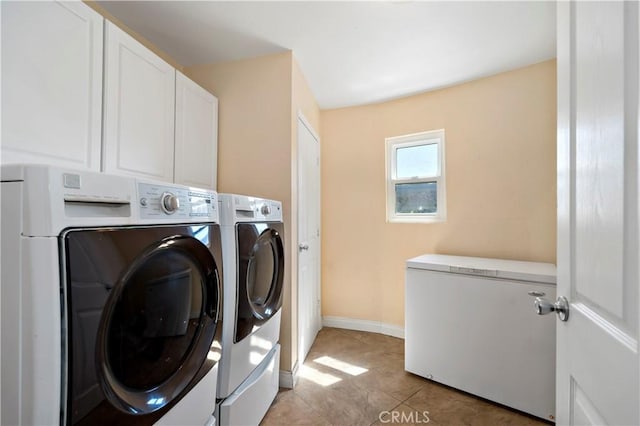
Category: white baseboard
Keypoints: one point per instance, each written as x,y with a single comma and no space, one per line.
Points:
288,379
364,325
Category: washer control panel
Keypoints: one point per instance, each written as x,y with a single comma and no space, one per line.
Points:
176,203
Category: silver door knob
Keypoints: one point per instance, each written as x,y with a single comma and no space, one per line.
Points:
561,307
303,247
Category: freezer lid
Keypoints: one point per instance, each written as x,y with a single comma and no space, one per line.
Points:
494,268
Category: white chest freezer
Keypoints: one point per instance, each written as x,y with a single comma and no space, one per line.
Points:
470,323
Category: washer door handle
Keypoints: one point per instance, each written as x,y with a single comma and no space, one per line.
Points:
303,247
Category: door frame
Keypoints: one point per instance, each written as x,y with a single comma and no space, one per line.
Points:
301,119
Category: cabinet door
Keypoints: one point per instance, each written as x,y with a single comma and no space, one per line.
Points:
139,109
196,134
51,84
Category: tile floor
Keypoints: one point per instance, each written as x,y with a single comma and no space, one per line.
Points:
351,377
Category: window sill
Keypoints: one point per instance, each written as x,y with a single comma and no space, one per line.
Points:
423,219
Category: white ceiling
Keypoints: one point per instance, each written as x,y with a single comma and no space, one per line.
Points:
354,52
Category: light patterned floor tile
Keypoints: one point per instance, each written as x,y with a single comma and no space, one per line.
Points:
358,378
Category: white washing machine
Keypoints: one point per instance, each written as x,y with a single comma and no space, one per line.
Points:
253,255
111,299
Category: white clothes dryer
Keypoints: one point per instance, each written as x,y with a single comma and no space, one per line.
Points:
253,254
111,299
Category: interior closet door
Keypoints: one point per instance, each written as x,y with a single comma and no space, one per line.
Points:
309,319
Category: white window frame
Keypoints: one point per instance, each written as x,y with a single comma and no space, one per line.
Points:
416,139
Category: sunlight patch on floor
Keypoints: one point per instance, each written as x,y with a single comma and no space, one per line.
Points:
336,364
323,379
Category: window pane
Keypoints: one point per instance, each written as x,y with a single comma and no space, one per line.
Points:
417,161
416,197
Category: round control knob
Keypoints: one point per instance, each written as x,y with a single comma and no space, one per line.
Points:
169,203
265,209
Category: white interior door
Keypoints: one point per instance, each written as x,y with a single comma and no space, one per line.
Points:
597,348
309,322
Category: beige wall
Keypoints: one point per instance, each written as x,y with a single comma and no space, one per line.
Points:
254,133
259,99
500,177
303,99
95,6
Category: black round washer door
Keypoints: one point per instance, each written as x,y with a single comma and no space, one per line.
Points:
158,325
265,274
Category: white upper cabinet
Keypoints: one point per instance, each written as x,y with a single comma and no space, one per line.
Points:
139,107
51,84
196,139
147,122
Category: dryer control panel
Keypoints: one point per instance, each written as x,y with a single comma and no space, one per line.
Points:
242,208
177,203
